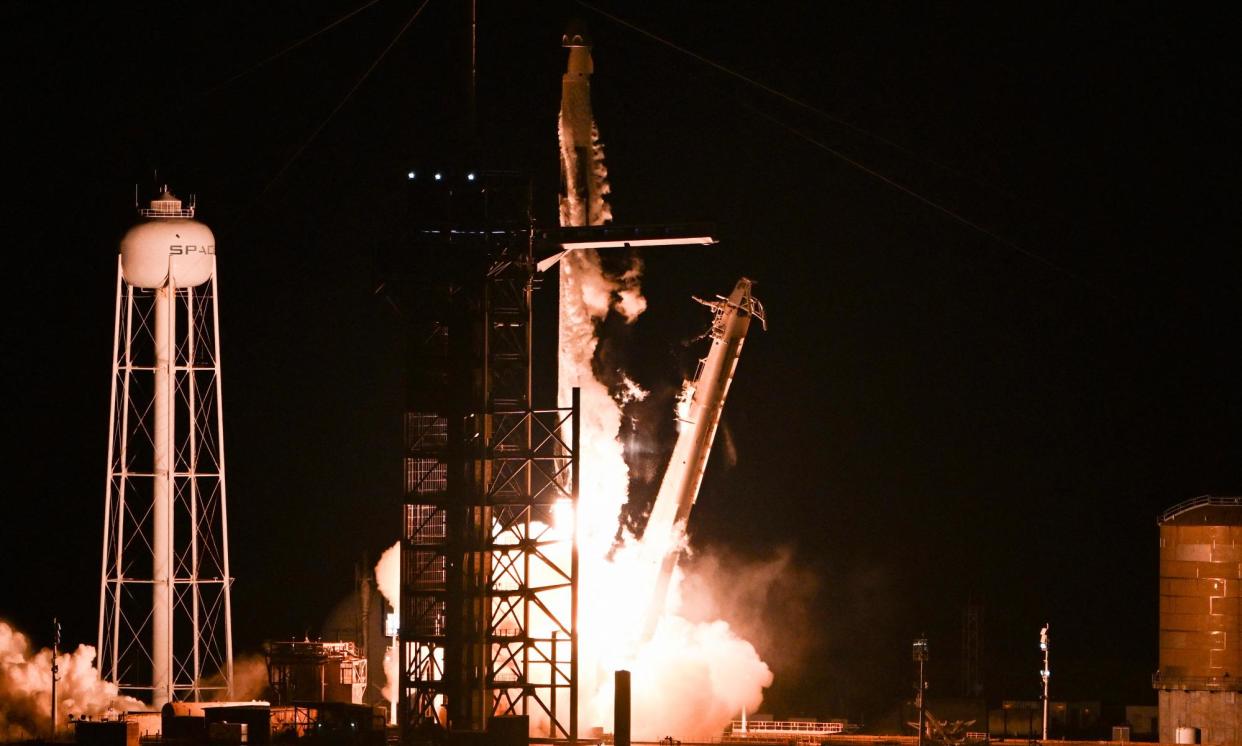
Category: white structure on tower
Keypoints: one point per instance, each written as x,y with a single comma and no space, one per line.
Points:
165,616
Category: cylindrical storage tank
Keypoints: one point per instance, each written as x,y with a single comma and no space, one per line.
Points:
1187,735
168,241
1200,593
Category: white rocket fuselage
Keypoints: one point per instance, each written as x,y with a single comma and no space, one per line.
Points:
578,207
576,121
698,417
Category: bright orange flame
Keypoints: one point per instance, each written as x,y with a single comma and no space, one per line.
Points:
689,679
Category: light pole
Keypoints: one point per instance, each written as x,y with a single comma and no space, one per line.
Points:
55,669
920,657
1044,674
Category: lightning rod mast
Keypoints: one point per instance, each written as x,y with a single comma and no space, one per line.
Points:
1044,674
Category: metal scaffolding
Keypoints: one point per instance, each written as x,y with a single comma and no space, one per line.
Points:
489,552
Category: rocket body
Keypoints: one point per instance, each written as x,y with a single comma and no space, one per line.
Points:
699,411
575,327
576,121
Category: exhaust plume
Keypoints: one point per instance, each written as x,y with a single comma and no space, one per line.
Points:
249,680
388,580
690,678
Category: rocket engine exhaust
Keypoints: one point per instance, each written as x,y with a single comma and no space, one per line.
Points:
690,677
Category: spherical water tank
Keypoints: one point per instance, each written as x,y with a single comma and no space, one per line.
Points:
1201,595
168,241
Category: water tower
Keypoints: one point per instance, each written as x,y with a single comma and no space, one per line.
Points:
165,616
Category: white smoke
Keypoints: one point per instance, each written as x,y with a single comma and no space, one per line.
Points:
630,391
690,678
587,294
388,580
600,211
249,679
689,681
694,674
26,688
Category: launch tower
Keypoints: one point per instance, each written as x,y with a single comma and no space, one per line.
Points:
488,553
165,616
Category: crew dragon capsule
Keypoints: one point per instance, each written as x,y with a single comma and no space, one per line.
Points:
580,185
698,414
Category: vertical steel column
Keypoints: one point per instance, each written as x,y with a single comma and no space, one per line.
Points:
528,488
573,639
107,532
162,568
552,685
227,577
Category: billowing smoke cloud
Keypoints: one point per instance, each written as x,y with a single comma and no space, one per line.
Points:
249,680
587,294
690,678
26,688
388,580
694,673
688,681
600,211
249,677
763,599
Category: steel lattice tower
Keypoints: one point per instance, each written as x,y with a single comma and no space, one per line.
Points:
488,573
165,616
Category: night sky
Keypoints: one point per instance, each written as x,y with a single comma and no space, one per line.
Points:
935,414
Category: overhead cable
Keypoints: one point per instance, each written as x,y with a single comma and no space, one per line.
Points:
788,97
955,216
947,212
290,48
358,84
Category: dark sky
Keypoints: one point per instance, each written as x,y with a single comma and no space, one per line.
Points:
935,414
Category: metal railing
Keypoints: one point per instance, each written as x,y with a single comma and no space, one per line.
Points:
759,728
167,208
1198,502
